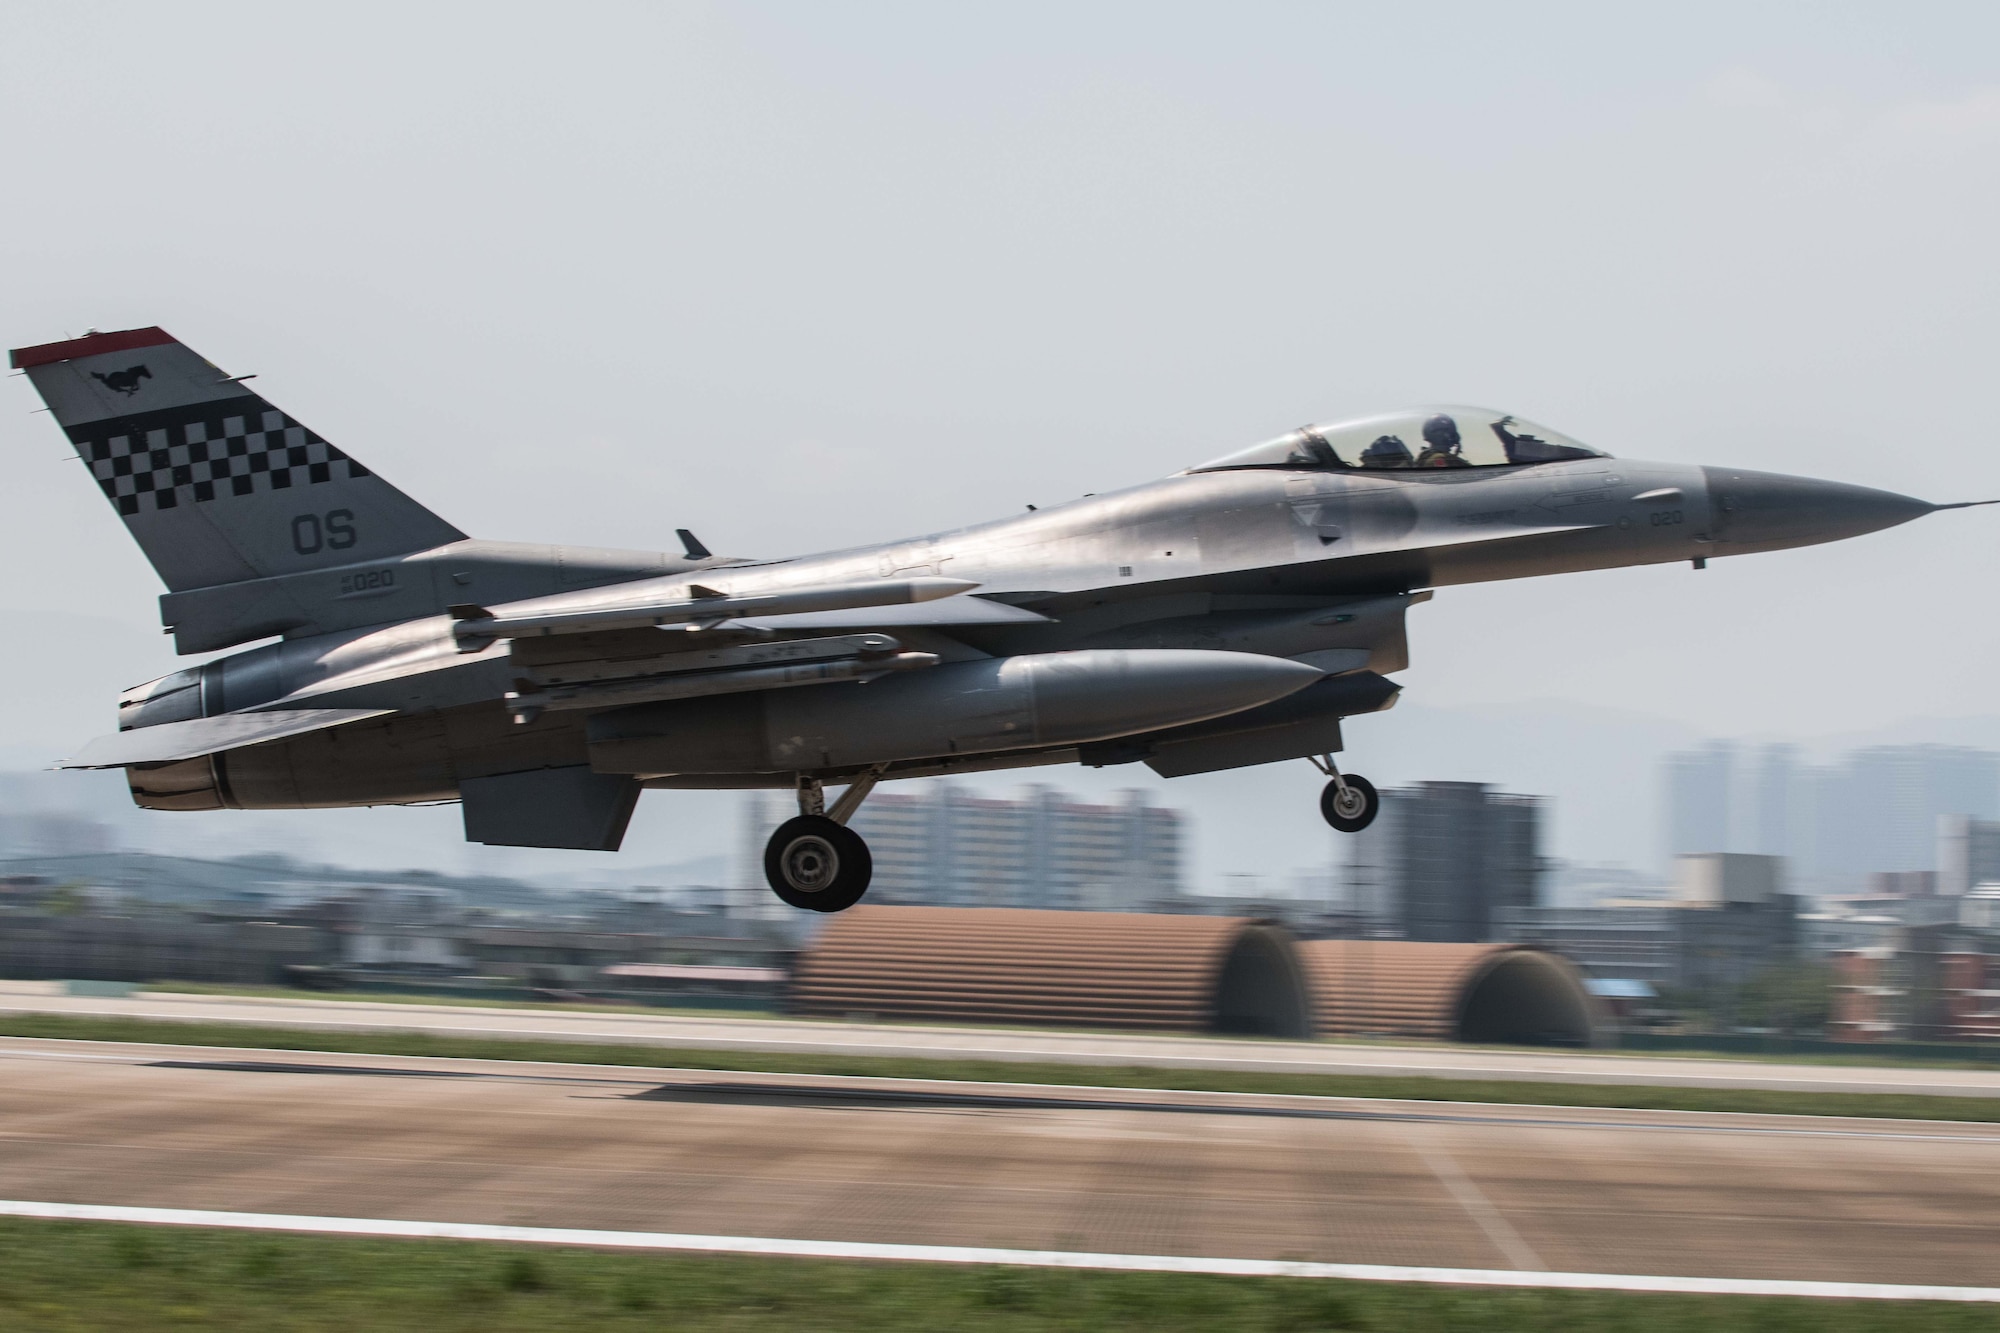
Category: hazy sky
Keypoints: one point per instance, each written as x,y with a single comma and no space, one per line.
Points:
807,275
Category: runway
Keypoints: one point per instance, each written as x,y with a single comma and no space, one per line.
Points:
1009,1044
892,1162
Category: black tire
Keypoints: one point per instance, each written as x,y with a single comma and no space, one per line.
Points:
813,863
1356,812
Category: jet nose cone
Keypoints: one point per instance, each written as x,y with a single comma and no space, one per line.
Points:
1767,511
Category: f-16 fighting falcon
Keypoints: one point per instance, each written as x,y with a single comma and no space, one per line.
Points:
1230,614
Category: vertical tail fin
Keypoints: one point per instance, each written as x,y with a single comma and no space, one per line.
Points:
215,484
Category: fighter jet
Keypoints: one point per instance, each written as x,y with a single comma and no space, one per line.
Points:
1233,613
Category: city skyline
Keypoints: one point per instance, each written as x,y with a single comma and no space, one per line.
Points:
1873,810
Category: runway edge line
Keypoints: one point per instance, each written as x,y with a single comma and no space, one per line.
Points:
963,1254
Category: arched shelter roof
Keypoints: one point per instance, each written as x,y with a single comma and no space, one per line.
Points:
1091,969
1452,992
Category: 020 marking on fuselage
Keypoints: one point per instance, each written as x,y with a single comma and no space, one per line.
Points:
1231,614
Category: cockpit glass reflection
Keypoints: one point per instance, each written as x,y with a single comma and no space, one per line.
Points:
1448,437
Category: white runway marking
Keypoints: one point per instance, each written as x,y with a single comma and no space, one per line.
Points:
963,1254
1478,1207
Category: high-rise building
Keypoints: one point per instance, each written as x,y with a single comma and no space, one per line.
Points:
949,845
1772,804
1443,857
1700,797
1874,811
1968,854
1877,810
1896,793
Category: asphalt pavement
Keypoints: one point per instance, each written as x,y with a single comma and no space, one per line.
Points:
1037,1168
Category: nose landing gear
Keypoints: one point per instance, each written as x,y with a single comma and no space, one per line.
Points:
815,861
1349,803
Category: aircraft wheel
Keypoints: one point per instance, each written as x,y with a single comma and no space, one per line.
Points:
1351,810
814,863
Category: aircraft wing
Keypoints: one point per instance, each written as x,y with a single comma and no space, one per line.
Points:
197,736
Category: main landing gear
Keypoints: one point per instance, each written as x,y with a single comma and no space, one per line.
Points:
815,861
1349,802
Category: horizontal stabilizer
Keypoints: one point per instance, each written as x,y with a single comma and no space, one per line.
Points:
197,736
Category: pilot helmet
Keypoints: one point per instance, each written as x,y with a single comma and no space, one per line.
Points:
1385,451
1441,432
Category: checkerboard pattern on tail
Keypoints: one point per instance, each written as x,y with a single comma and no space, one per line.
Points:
236,448
217,485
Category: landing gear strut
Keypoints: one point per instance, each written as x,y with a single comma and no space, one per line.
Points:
1349,802
815,861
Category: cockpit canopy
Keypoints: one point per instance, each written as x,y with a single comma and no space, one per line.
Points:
1431,437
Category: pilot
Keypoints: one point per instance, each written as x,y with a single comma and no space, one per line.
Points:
1441,444
1387,451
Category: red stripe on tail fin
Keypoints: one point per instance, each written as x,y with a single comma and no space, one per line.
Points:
91,344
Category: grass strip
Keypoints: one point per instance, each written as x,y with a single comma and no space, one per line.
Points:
1866,1105
110,1276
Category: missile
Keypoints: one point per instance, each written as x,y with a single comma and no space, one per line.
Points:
679,604
527,706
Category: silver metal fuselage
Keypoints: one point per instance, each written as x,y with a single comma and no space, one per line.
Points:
1230,615
1313,566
